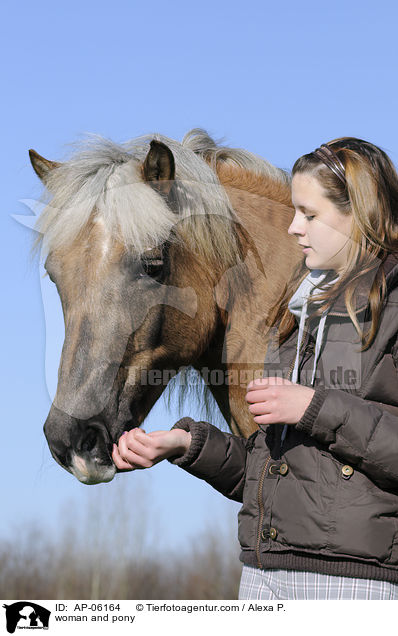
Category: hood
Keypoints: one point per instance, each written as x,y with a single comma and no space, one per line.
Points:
361,300
298,306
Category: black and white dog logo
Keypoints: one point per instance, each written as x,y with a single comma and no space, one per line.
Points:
26,615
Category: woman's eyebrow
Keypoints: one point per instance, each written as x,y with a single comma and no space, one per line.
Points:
304,208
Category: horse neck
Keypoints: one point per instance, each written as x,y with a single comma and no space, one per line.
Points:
264,211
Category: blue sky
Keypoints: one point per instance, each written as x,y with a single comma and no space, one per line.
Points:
277,79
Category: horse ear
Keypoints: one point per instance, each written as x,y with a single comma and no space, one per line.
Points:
159,166
41,166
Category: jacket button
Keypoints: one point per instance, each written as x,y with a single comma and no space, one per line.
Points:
347,471
272,533
282,469
264,535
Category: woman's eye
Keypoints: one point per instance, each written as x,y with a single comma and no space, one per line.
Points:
309,217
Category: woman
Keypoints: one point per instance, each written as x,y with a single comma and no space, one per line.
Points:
319,479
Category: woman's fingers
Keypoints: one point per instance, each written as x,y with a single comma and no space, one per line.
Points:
263,383
260,408
136,449
120,463
276,404
133,450
136,434
253,397
129,459
265,389
268,418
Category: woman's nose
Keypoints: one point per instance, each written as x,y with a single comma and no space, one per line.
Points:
296,226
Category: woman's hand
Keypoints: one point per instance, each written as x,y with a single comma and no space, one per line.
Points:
277,401
137,449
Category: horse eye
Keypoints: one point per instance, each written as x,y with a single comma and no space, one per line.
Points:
153,267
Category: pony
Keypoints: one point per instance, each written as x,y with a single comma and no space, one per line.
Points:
168,257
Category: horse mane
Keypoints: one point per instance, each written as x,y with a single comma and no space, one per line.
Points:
218,156
105,178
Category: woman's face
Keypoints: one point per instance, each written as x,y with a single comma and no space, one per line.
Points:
319,226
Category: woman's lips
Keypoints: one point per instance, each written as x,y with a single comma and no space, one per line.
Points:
306,250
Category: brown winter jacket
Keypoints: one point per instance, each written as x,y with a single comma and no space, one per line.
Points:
326,499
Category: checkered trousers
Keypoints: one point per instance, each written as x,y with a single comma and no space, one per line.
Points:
294,585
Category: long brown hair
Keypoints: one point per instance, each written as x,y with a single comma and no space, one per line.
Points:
370,195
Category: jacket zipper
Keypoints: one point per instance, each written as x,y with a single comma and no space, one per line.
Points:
302,348
289,373
261,508
264,471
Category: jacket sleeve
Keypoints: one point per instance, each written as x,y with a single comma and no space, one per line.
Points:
363,433
216,457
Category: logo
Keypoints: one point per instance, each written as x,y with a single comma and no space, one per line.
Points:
26,615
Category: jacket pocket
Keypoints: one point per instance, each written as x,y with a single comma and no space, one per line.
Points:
303,507
366,518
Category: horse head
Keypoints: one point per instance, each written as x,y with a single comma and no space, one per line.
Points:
136,240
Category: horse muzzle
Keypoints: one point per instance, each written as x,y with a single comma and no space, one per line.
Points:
83,448
89,470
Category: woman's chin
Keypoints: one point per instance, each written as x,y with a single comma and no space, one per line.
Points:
311,263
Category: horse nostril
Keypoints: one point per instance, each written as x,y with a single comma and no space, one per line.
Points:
89,440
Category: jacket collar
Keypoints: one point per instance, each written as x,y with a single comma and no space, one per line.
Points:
390,267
